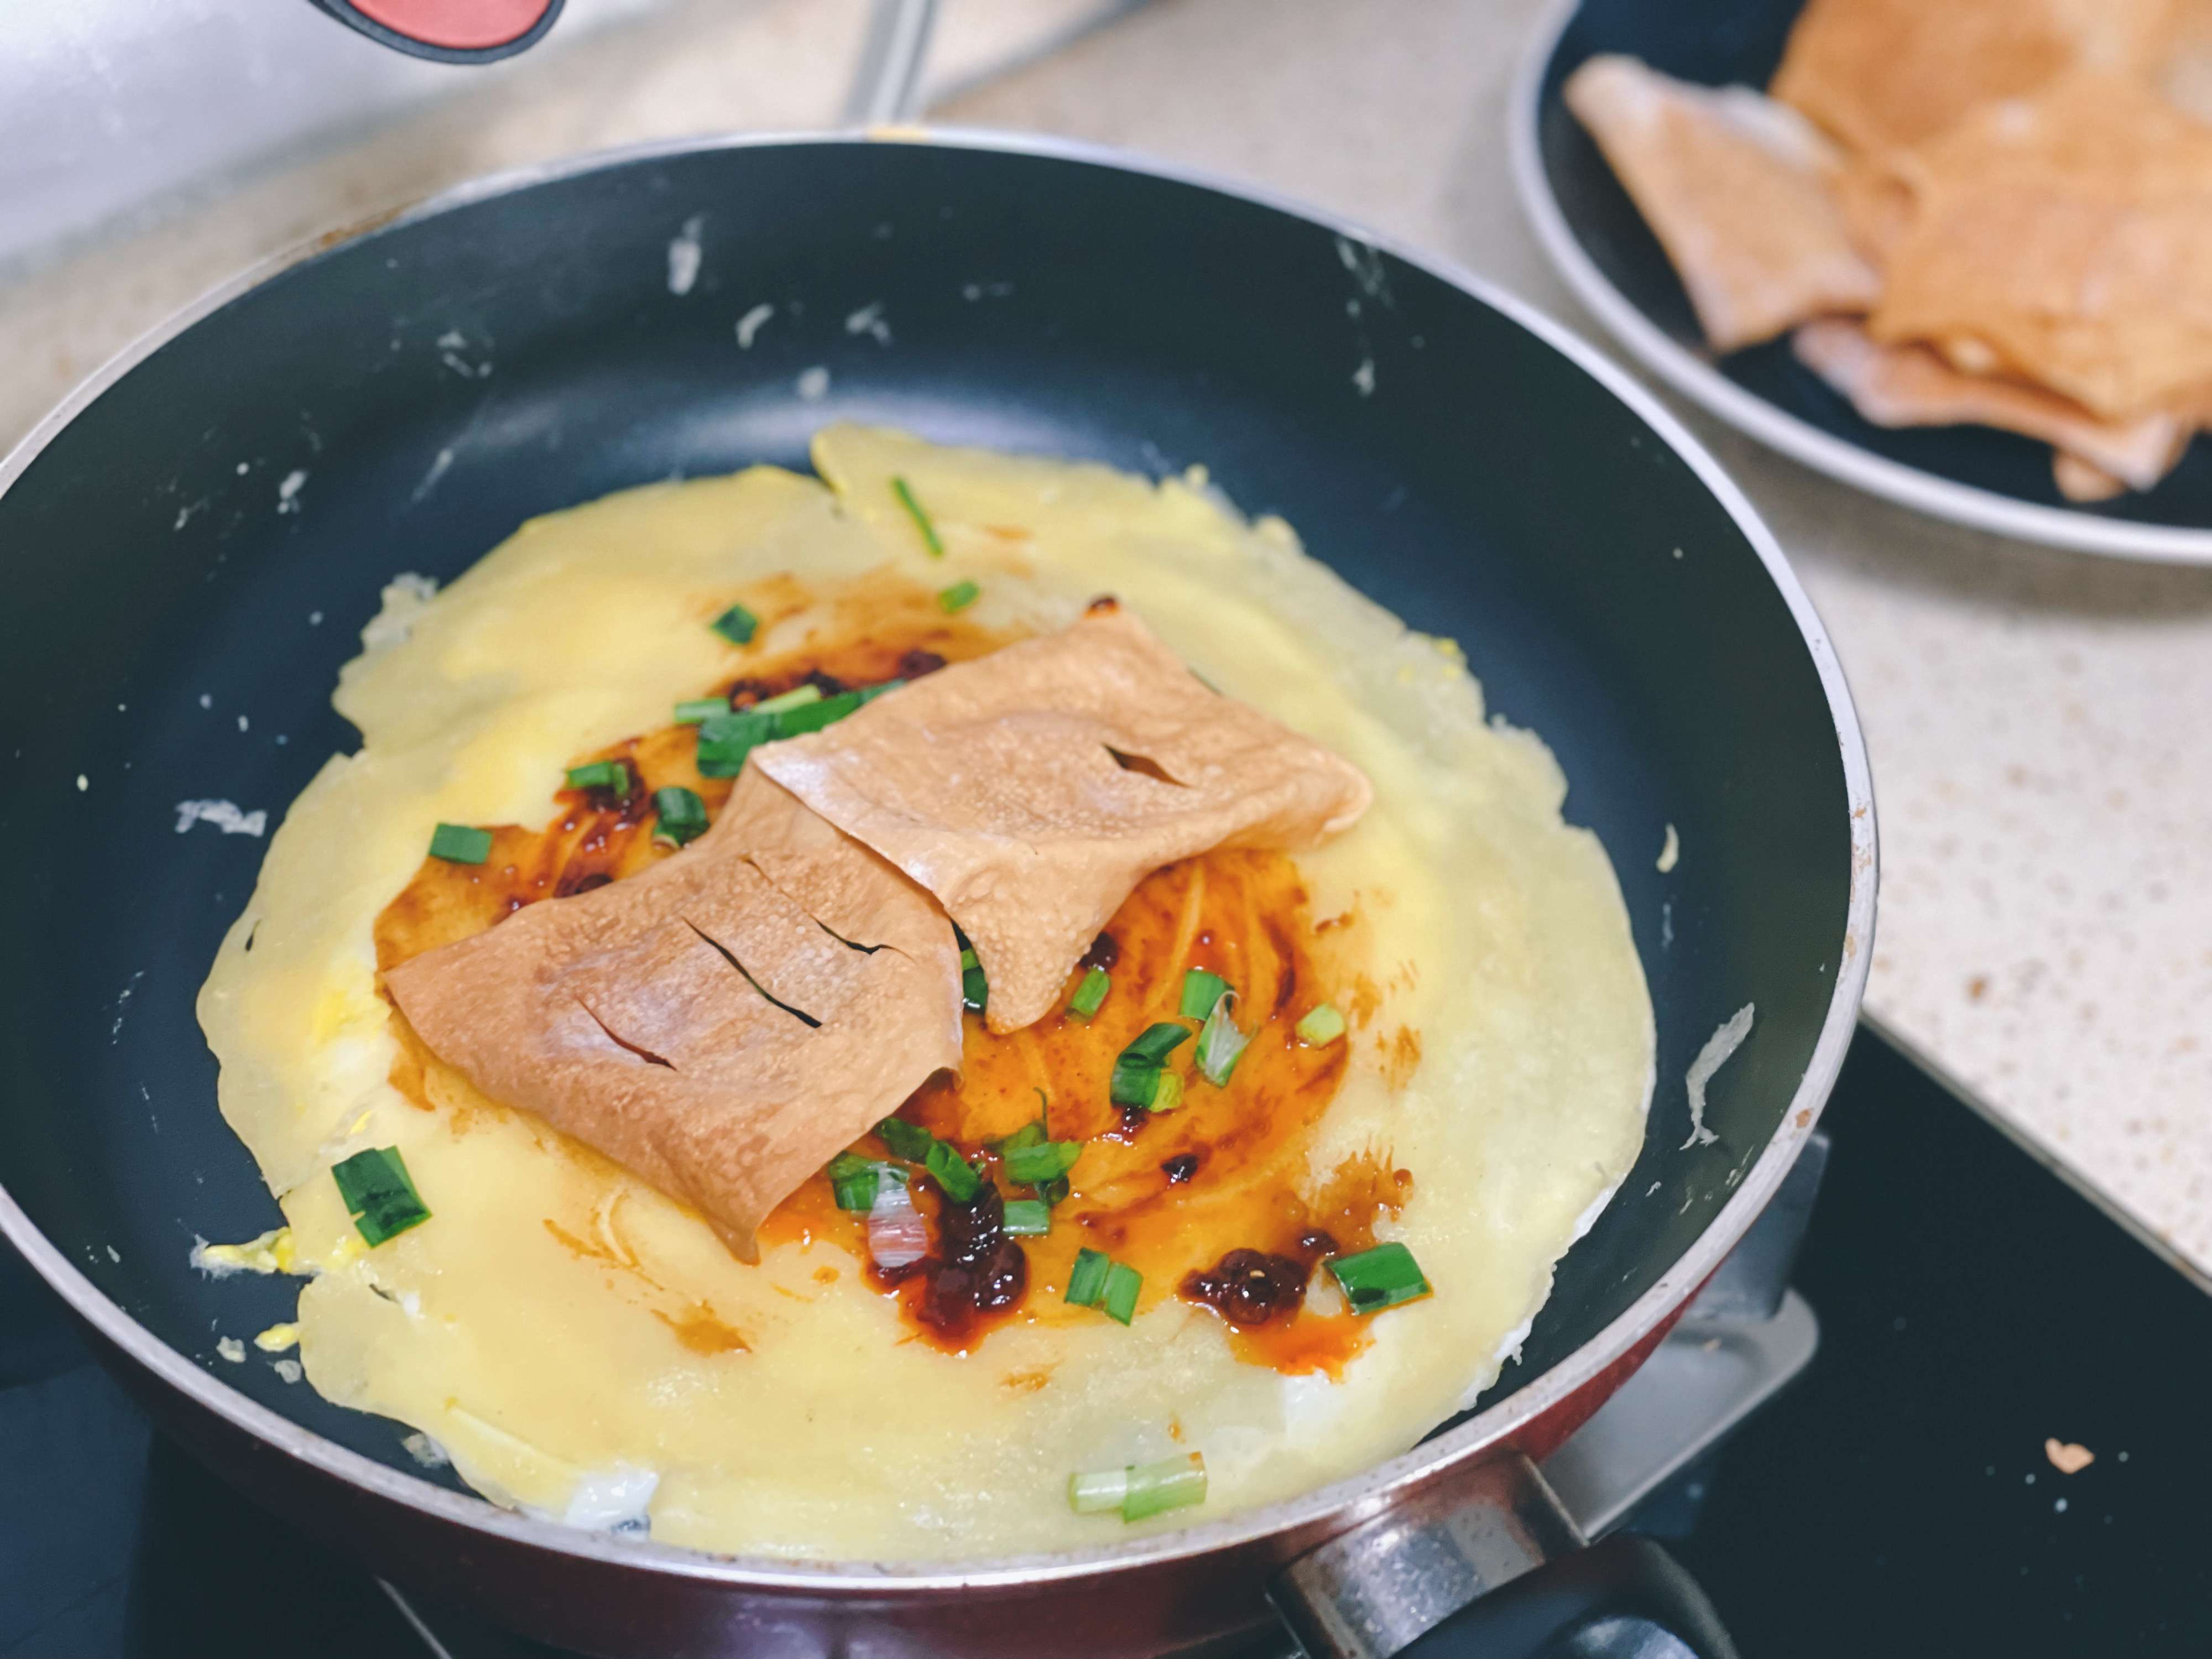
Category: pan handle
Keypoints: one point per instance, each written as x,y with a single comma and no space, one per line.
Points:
1493,1568
887,85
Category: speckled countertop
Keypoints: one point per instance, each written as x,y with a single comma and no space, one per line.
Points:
2040,724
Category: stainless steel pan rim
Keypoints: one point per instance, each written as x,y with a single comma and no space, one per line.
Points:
1343,1503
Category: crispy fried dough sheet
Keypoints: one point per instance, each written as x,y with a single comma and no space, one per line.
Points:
1913,385
2071,234
1884,73
1032,789
722,1024
1739,191
2083,481
1878,205
2183,72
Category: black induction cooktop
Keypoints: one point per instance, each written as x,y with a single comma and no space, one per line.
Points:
1897,1498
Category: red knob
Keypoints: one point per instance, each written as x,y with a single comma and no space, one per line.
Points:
449,31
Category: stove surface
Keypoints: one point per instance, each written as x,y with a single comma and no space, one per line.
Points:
1896,1498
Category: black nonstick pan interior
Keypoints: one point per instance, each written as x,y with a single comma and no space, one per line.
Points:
191,559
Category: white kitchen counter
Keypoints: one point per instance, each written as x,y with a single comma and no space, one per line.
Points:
2040,724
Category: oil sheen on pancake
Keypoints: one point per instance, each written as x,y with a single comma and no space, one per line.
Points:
582,1345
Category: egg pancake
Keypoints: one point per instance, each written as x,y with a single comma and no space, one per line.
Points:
584,1345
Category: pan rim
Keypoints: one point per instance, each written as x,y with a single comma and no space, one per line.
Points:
1339,1504
1914,488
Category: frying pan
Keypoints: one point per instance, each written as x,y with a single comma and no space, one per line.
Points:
192,542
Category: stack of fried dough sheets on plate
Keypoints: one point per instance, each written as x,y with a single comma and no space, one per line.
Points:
1988,211
725,1021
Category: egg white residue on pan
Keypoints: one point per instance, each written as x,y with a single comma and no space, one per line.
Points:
751,323
225,815
684,256
1716,1054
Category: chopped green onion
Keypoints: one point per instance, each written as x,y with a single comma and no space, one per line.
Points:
1027,1218
907,1140
1095,1494
1220,1044
1134,1083
975,988
1200,992
683,815
1086,1280
1044,1161
869,692
905,494
726,740
1378,1278
614,776
1097,1280
691,713
958,597
1137,1078
1030,1134
798,696
855,1180
1119,1300
457,843
737,625
953,1172
1089,994
1155,1042
1321,1026
378,1193
798,719
1167,1090
1053,1189
1141,1490
1174,1483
